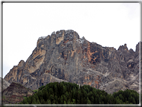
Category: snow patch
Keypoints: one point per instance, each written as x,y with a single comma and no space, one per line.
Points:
81,40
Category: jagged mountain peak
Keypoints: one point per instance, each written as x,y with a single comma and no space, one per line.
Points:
64,56
123,48
60,32
21,63
137,46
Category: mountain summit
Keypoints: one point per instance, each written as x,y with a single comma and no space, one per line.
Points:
64,56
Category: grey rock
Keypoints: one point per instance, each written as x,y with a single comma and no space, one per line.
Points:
3,84
64,56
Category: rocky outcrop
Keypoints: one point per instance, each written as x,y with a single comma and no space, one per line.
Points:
15,93
3,84
64,56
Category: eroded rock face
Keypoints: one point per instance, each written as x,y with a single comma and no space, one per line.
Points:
15,93
64,56
3,85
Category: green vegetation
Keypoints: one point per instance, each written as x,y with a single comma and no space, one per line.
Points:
70,93
35,91
24,97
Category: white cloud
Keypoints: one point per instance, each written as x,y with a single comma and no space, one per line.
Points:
108,24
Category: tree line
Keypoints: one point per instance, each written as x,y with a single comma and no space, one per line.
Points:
70,93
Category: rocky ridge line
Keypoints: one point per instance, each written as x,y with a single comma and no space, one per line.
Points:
64,56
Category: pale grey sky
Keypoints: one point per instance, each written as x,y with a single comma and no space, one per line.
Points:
108,24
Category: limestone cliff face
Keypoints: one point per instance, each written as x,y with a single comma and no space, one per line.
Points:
64,56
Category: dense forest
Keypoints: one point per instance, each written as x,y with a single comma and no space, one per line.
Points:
71,93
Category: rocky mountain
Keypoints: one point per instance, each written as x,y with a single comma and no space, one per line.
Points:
3,84
64,56
15,93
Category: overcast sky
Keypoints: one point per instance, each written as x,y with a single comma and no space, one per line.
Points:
108,24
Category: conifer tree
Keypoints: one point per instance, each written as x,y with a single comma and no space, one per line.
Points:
33,101
48,101
60,93
88,101
73,101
